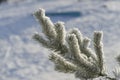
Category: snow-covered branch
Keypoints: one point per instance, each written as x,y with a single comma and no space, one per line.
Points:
70,50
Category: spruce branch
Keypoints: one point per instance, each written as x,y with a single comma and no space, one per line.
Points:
41,40
98,46
86,42
70,50
62,64
83,43
86,50
78,35
47,25
60,30
74,47
54,33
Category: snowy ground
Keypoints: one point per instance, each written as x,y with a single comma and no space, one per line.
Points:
21,58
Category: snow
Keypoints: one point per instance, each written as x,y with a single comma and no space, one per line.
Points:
21,58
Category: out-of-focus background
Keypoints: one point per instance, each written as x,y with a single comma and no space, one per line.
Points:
21,58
